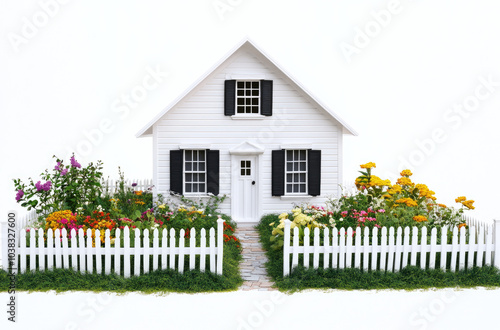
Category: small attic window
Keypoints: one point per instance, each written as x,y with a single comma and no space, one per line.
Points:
247,97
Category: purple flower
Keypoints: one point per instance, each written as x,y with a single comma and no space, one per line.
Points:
57,167
64,172
74,163
64,221
38,186
47,185
134,184
19,194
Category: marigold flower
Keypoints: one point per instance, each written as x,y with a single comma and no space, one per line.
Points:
138,192
461,225
407,201
405,182
420,218
442,205
460,199
468,204
368,165
406,173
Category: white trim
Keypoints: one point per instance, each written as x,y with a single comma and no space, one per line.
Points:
296,146
248,116
194,172
235,171
340,163
296,196
195,146
247,148
306,172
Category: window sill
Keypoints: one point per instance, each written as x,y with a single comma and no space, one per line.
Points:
288,197
196,195
248,117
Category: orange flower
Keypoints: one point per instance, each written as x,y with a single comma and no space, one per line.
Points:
138,192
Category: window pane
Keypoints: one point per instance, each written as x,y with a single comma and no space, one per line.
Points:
289,166
255,109
295,155
241,101
242,171
201,154
201,177
240,92
302,177
248,171
241,84
295,166
255,92
302,155
248,84
296,178
295,188
188,154
188,187
202,187
289,155
195,166
303,166
248,101
248,92
241,110
255,101
189,177
195,187
289,188
289,178
255,84
201,166
189,166
302,188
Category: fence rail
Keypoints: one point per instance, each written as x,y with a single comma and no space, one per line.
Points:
86,254
396,248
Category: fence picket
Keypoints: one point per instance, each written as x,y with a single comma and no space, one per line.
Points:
156,249
414,247
383,250
454,249
107,252
423,248
406,247
374,248
90,261
295,255
212,249
399,250
146,243
181,251
32,249
65,250
118,257
126,252
22,250
50,249
57,249
203,250
392,250
335,247
461,259
366,249
326,244
444,244
171,261
348,248
98,254
41,246
136,252
81,245
164,248
192,245
316,248
489,241
357,248
480,246
306,247
472,246
432,255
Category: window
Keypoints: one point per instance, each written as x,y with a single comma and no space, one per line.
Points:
246,168
247,97
296,171
194,171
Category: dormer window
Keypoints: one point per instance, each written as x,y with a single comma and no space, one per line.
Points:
247,98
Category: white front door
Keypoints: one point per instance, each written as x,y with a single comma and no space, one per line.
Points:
245,188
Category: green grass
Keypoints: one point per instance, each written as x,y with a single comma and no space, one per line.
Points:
160,281
409,278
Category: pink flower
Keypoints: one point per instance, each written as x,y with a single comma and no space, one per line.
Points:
378,226
381,211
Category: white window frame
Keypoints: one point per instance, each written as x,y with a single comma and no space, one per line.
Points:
296,172
184,172
258,97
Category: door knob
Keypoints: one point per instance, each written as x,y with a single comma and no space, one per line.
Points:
253,182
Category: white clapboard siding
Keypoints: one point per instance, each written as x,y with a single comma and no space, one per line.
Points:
82,253
402,247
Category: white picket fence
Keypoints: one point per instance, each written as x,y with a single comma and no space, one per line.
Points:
78,253
395,250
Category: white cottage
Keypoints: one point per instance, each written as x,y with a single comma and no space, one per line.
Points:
248,130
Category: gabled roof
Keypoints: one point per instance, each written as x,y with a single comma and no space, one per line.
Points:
246,43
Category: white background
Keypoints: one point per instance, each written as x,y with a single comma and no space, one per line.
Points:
61,79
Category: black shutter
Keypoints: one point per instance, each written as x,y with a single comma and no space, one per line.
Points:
278,172
266,97
314,172
213,171
176,180
229,97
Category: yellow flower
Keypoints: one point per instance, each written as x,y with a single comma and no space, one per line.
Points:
460,199
442,205
468,204
420,218
407,201
283,215
405,182
138,192
368,165
461,225
406,173
162,206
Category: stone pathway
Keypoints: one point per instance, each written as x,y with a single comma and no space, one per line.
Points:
252,267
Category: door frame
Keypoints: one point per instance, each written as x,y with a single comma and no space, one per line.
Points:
247,149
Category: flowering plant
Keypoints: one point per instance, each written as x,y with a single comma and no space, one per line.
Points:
66,187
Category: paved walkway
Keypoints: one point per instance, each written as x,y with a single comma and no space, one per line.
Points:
252,267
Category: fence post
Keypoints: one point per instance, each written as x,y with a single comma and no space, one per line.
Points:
286,249
496,242
220,246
